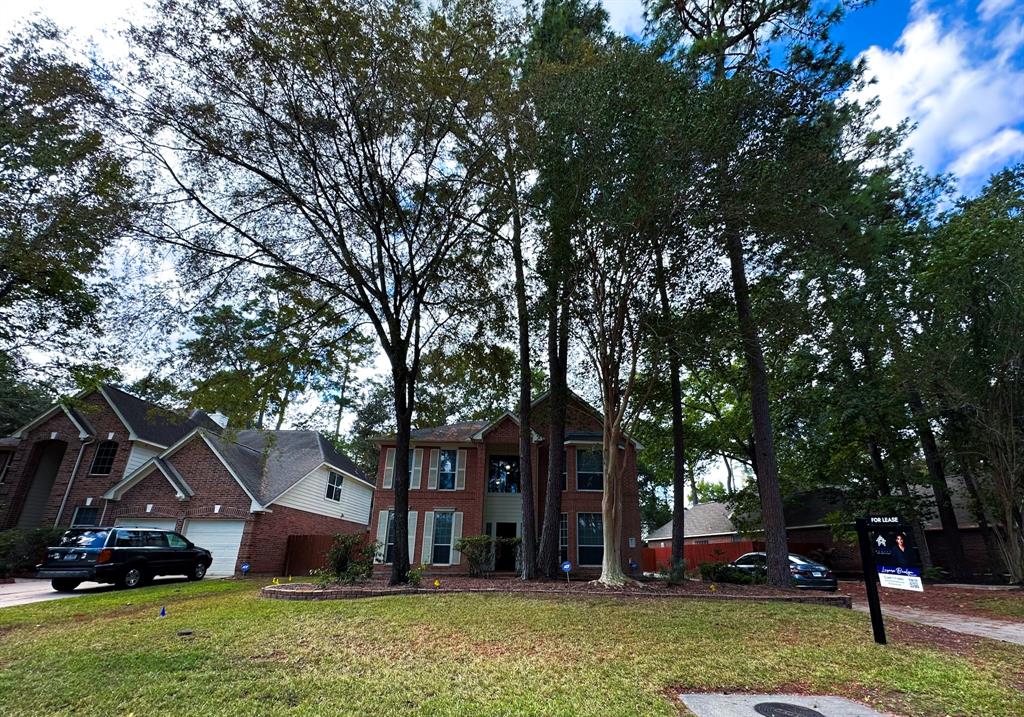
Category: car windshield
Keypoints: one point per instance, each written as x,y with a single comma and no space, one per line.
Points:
84,539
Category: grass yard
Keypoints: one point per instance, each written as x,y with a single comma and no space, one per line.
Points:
1003,606
467,655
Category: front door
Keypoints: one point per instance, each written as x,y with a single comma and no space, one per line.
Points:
504,552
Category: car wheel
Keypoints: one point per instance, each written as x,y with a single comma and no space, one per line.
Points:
198,572
131,578
64,585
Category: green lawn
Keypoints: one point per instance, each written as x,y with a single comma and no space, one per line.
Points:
468,655
1009,606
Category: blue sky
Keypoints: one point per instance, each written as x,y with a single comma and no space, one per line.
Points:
954,67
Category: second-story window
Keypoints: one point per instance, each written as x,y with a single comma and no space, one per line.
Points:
334,481
503,474
589,469
103,461
447,463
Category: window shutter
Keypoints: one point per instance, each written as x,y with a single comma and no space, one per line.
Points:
428,537
389,468
435,455
417,469
456,534
382,535
460,470
412,537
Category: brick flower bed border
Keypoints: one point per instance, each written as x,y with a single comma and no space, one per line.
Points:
307,591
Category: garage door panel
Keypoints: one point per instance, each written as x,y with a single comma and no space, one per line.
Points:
222,538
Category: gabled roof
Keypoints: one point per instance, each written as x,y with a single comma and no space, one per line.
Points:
701,519
149,422
479,435
265,463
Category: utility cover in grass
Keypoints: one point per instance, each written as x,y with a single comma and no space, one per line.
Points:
708,705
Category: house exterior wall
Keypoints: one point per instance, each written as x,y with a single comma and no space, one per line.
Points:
265,542
478,507
310,494
83,485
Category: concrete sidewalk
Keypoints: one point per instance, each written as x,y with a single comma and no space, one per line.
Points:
966,624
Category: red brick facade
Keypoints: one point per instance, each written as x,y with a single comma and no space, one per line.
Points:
503,439
217,495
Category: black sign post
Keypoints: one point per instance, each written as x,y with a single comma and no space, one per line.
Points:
867,560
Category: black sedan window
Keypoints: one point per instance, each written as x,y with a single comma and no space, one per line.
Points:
84,539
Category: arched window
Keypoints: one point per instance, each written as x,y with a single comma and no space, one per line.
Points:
103,461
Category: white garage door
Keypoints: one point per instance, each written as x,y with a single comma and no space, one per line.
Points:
165,524
220,537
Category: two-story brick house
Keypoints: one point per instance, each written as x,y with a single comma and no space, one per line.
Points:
464,480
110,458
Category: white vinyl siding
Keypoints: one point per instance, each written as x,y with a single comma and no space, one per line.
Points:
310,495
503,507
140,453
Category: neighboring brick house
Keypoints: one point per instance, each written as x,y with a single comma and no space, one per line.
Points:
464,480
110,458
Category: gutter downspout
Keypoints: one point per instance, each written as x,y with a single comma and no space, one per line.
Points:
71,480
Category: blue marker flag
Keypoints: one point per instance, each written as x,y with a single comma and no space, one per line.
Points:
163,612
566,566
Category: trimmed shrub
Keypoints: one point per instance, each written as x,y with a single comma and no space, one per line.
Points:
477,550
350,559
725,573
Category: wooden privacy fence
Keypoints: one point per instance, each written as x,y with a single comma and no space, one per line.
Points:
306,553
654,559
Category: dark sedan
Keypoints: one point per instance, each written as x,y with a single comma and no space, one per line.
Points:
126,557
804,573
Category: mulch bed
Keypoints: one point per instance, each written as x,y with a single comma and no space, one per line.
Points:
941,598
378,587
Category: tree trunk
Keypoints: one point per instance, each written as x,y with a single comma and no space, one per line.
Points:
611,508
403,389
558,337
776,544
730,478
678,437
529,546
937,475
881,475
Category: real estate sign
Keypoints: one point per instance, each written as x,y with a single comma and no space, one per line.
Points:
895,554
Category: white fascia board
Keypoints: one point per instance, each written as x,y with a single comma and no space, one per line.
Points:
120,416
143,471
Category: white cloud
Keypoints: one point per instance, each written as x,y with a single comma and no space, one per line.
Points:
988,9
993,152
960,86
625,16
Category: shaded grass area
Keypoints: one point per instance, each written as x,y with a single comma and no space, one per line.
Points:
1008,606
462,655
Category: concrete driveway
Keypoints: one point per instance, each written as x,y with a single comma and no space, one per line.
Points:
24,591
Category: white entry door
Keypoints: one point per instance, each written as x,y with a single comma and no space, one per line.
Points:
160,524
220,537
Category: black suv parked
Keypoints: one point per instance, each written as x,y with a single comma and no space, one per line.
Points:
126,557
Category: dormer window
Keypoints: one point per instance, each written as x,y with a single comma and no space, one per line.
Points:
103,461
334,481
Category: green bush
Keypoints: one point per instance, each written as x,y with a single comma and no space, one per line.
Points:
21,550
725,573
350,559
416,576
477,550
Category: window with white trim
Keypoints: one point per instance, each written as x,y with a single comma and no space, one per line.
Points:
563,537
447,463
565,469
442,554
334,481
85,516
389,541
103,461
589,538
589,469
